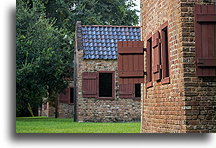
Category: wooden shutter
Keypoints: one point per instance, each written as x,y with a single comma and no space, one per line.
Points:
205,38
164,53
130,62
156,62
65,96
45,106
149,60
89,84
126,90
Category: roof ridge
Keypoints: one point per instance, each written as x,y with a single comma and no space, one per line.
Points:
109,26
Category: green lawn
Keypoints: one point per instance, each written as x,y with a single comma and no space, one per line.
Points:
52,125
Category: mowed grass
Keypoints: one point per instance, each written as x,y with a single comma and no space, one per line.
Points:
52,125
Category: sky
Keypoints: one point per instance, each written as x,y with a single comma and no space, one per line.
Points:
138,4
137,7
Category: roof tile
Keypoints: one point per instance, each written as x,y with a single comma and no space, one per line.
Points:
100,42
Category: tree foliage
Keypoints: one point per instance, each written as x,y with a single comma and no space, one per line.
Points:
91,12
43,56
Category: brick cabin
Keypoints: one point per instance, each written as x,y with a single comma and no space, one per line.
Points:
65,103
99,97
179,89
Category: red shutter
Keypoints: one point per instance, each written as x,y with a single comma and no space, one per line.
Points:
149,60
45,106
205,38
130,62
164,53
156,62
65,96
126,90
89,84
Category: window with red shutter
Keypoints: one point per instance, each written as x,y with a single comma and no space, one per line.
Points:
100,85
156,61
132,91
130,62
89,84
164,53
65,96
205,38
149,62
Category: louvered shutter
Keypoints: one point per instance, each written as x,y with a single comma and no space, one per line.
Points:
130,62
205,38
89,84
156,62
65,96
126,90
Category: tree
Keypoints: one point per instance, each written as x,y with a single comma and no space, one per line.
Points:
43,56
103,12
94,12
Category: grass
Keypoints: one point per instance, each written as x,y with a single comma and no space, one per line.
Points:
52,125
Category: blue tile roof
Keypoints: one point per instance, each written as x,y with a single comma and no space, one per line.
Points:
100,42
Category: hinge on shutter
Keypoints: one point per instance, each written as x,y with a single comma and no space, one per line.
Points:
144,49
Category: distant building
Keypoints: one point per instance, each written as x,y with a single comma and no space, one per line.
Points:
99,97
65,104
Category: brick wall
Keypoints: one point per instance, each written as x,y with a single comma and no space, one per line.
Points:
48,110
200,94
65,110
162,111
95,110
187,104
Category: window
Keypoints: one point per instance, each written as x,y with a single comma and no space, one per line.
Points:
149,63
105,85
72,95
158,56
98,85
132,91
137,90
165,53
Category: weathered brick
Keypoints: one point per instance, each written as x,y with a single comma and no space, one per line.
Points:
195,96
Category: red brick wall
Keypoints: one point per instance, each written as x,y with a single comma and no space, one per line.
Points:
200,92
163,103
187,103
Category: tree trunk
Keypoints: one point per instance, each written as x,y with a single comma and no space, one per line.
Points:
56,107
30,110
